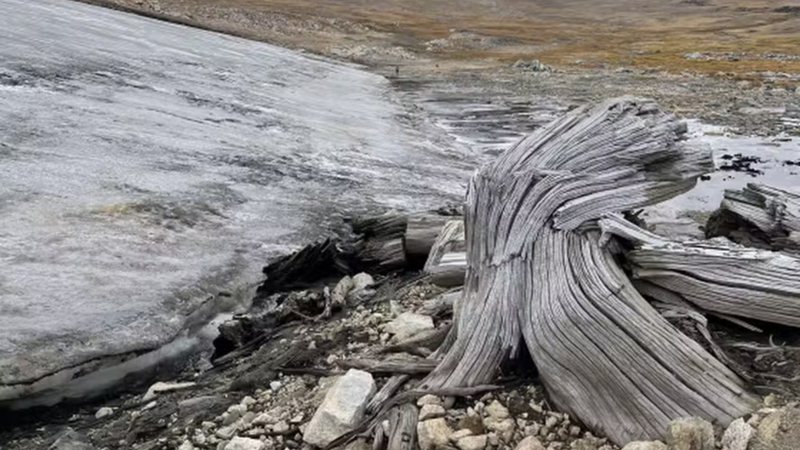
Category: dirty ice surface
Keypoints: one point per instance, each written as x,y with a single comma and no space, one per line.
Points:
739,160
144,165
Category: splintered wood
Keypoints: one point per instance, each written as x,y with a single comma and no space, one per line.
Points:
539,276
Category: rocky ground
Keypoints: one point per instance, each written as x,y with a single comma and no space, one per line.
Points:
297,383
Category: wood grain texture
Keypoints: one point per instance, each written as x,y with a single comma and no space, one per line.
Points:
538,276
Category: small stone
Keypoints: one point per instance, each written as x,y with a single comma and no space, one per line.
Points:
472,442
275,386
504,428
297,419
281,427
472,423
361,281
551,422
429,399
737,435
431,412
460,434
103,412
433,433
574,430
247,402
241,443
496,410
645,445
690,433
186,445
161,387
583,444
342,409
226,432
340,291
408,324
530,443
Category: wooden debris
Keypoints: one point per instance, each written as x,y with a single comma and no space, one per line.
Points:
773,212
408,367
535,272
421,233
403,427
392,385
447,261
716,275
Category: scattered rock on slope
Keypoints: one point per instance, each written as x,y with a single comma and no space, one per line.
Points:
342,409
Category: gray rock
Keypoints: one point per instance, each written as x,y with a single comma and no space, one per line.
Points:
645,445
340,291
472,442
408,324
496,410
162,387
737,435
530,443
342,409
103,412
778,431
242,443
431,412
432,434
69,439
583,444
690,433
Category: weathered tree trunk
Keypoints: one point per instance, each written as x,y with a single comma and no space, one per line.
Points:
538,276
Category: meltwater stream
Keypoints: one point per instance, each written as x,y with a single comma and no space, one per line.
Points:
146,165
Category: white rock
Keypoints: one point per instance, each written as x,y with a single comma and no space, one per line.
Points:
472,442
362,281
496,410
103,412
645,445
429,399
161,387
275,385
460,434
342,409
431,412
226,432
281,427
433,433
340,291
186,445
408,324
737,436
241,443
530,443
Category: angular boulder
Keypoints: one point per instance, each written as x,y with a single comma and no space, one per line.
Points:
342,409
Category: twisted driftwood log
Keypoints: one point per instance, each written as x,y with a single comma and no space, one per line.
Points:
538,276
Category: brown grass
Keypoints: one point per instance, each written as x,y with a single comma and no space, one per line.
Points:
638,33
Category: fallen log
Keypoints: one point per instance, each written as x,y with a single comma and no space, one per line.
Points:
767,214
537,276
716,275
